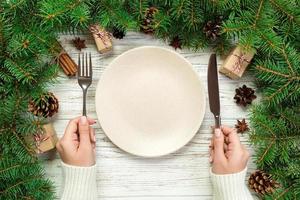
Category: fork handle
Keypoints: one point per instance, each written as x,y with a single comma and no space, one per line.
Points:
84,102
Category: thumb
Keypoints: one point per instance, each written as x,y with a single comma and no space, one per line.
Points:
219,154
84,132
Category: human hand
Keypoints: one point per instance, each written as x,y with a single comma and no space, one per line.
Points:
227,154
77,146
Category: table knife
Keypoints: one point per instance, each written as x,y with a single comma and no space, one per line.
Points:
213,89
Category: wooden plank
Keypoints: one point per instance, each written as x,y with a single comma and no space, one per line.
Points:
182,175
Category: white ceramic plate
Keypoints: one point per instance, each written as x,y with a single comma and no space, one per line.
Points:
150,102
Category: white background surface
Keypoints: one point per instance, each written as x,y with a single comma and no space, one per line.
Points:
183,175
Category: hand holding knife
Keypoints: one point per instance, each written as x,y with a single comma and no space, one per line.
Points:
213,89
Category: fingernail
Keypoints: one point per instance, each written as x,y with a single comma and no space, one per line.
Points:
217,132
94,138
83,120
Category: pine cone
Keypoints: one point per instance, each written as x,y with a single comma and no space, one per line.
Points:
45,106
241,126
118,33
212,29
244,95
262,182
148,22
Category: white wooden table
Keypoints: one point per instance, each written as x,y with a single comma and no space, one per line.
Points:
183,175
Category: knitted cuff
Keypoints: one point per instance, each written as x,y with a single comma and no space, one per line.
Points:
230,186
80,182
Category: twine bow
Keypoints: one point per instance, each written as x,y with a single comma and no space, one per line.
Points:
103,35
238,64
39,138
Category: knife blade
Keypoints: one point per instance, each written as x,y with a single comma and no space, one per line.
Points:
213,89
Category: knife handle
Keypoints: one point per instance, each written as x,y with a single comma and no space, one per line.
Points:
217,121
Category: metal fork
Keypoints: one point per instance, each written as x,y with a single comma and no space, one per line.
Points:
84,76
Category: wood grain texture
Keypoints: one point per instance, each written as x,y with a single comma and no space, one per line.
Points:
183,175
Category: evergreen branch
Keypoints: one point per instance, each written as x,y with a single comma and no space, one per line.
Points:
266,151
228,30
25,73
30,151
295,137
268,41
284,192
141,8
289,15
294,90
263,68
279,90
68,7
11,167
19,183
258,14
25,197
287,61
13,6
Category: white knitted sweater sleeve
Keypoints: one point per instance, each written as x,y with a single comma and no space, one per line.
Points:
230,186
79,183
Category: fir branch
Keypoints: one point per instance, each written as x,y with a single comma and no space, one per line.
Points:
287,61
16,5
283,10
69,7
277,91
260,159
265,69
284,192
21,182
21,141
11,167
257,16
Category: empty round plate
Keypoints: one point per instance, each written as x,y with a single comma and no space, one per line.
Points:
150,101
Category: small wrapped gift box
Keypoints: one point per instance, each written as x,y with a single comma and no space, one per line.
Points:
102,38
45,140
236,63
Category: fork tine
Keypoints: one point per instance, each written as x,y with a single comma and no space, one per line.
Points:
79,66
82,65
86,66
90,66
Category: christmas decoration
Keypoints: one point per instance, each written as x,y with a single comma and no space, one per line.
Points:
118,33
262,183
29,28
236,63
44,140
46,105
79,43
176,43
148,21
241,126
102,38
212,28
67,64
244,95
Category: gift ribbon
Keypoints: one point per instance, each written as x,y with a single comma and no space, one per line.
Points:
239,62
38,138
103,35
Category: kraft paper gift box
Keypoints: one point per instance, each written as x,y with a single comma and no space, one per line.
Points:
236,63
102,38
